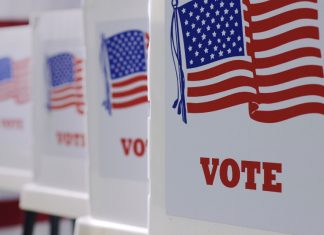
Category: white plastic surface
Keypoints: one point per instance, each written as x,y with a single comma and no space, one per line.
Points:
60,185
16,143
54,201
14,179
90,226
114,200
17,9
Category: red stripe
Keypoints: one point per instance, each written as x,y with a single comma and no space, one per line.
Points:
265,7
68,87
129,92
283,18
288,113
307,32
286,57
219,70
57,107
78,61
228,84
131,103
67,97
129,81
77,70
78,79
223,103
21,63
290,75
295,92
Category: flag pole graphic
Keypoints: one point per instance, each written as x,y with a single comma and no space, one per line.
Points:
180,102
104,64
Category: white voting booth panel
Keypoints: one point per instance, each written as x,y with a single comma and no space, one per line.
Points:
117,43
17,9
60,185
237,117
15,108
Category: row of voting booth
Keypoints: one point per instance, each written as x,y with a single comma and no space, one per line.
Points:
168,117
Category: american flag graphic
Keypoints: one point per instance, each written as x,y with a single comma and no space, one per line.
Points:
14,80
66,82
263,53
123,58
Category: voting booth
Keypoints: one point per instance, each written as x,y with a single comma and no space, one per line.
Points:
237,117
60,184
15,108
117,43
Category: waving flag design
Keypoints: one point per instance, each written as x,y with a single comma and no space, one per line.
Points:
264,53
14,80
123,58
66,82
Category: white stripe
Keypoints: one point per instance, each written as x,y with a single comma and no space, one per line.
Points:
207,98
220,78
67,92
66,101
130,86
291,102
74,84
281,10
292,84
220,62
129,97
258,1
284,28
244,7
289,65
127,77
288,47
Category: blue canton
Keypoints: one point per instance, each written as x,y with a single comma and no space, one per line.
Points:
61,69
212,30
5,69
126,53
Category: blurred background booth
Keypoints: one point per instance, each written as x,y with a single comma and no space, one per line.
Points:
60,183
16,137
117,48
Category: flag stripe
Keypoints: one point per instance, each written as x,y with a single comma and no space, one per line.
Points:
267,6
130,103
283,18
232,83
287,56
290,75
67,104
292,35
219,70
79,106
225,102
289,112
129,81
69,87
305,90
64,97
129,92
